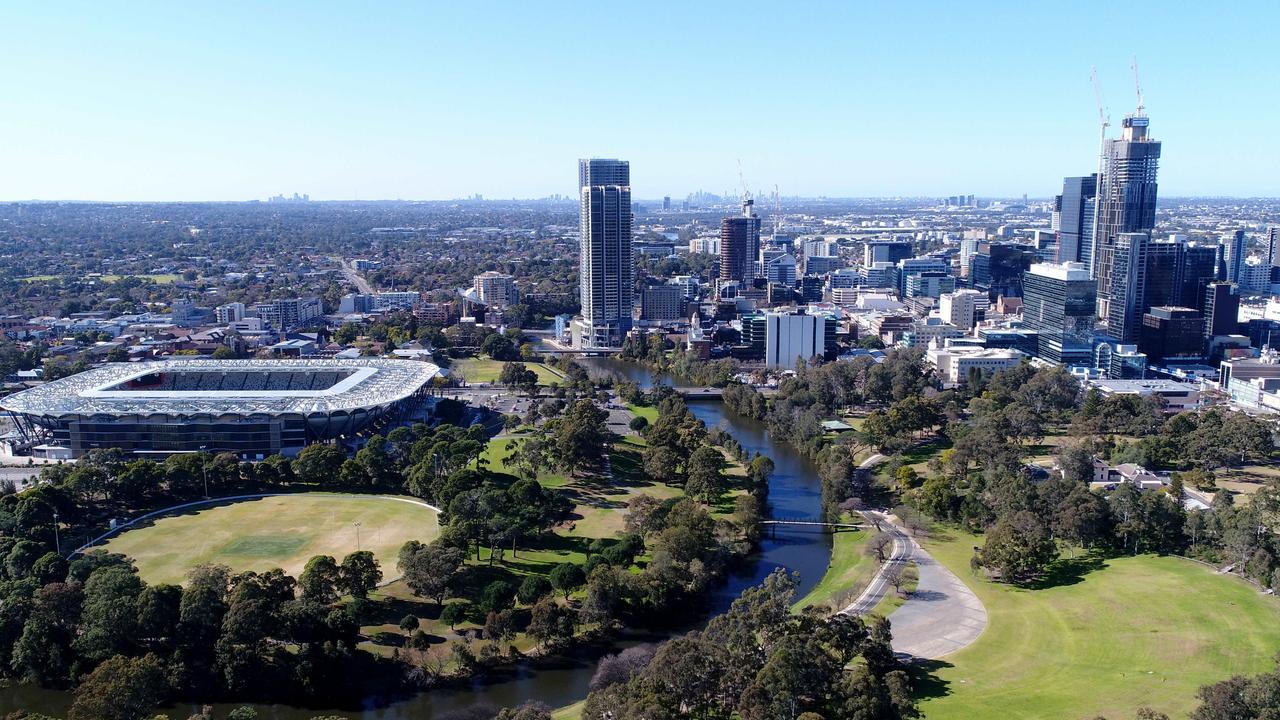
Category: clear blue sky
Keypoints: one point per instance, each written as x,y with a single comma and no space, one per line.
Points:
230,100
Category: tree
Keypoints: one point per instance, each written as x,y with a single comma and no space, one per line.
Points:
453,613
661,464
567,577
1018,547
319,580
880,546
120,688
409,623
430,570
359,573
497,596
705,480
551,623
581,436
533,588
319,464
110,611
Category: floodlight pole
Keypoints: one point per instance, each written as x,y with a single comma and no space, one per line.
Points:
57,541
357,524
204,470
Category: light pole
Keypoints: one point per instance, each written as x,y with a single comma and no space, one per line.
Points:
357,524
57,541
204,470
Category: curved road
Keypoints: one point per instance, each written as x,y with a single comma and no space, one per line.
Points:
941,616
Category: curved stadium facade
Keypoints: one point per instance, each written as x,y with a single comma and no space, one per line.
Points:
253,408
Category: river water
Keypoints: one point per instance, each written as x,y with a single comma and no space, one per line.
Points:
793,493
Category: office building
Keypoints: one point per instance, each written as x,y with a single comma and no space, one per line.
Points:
1172,334
1199,268
878,275
1073,217
1164,269
739,245
1255,276
821,247
661,303
955,363
781,270
963,308
789,336
915,266
495,289
998,268
1273,246
688,285
821,264
1127,274
1126,199
1221,309
1059,302
878,251
931,284
1233,252
606,265
929,331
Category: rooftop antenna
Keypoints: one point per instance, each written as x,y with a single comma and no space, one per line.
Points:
1103,122
1137,87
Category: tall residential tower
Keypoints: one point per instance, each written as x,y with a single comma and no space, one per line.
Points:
739,245
606,267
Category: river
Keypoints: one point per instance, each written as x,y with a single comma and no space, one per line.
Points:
793,493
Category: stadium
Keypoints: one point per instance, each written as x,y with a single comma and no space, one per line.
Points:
253,408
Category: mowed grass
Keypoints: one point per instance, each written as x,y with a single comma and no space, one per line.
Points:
1139,631
483,370
847,574
283,531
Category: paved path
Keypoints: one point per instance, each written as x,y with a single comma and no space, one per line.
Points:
941,616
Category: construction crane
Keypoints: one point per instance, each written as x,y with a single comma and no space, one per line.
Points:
1137,87
1103,122
747,202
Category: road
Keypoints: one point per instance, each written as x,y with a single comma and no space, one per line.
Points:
354,277
941,616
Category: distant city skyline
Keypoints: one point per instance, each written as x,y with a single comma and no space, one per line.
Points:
398,101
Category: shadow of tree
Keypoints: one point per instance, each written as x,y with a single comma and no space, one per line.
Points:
925,683
1066,571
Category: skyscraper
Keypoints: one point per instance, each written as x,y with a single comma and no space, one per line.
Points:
1273,246
739,245
1233,252
1126,202
605,263
1164,269
1059,303
1075,219
1221,309
1128,278
1199,268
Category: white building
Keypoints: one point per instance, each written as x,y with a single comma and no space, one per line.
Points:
397,300
955,362
925,332
229,313
496,289
1176,395
781,270
963,308
789,336
705,246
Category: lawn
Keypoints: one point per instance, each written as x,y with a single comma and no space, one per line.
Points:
283,531
483,370
648,412
848,573
1138,631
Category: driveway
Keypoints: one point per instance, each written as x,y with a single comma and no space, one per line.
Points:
941,616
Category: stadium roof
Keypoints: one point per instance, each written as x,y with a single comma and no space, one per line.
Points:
340,385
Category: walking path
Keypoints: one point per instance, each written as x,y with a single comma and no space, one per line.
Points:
941,616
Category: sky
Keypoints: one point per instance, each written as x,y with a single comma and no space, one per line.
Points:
436,100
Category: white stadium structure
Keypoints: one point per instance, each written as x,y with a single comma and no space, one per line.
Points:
253,408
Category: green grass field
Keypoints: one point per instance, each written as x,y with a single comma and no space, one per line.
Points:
283,531
161,279
483,370
849,571
1139,631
